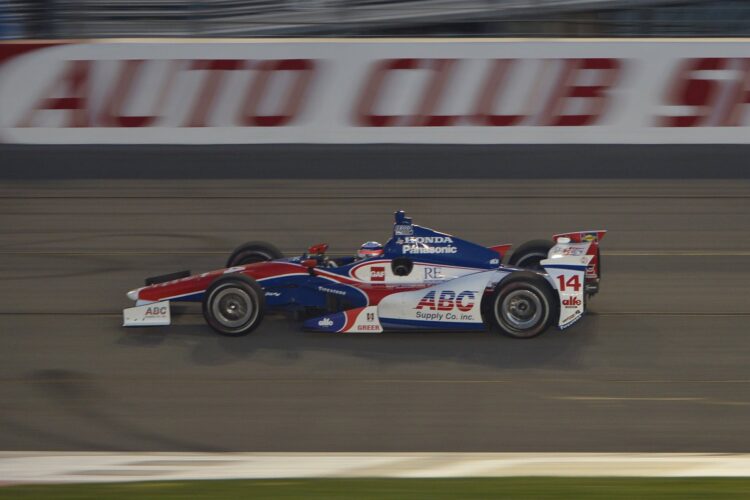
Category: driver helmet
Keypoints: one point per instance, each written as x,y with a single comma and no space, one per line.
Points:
369,250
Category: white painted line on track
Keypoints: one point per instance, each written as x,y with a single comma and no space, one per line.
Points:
666,399
77,467
105,253
623,398
676,253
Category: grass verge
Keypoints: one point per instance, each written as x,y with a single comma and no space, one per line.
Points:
432,489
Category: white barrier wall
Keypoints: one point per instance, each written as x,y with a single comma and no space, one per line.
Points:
375,91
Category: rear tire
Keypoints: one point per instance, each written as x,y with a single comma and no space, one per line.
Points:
233,305
522,306
254,251
530,254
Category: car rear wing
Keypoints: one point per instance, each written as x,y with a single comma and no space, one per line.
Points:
571,243
567,275
583,236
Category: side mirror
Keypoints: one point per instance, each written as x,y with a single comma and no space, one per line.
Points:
402,266
319,249
309,263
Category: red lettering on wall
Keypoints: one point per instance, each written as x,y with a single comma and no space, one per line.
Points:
302,69
74,83
215,69
569,87
685,89
374,84
112,114
496,83
432,94
738,95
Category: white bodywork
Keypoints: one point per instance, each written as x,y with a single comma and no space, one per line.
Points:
566,263
153,314
567,275
365,320
380,271
456,301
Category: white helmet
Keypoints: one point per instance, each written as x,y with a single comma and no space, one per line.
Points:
369,250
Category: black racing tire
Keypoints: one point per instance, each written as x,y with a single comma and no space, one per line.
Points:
522,306
528,255
234,305
598,263
253,251
592,284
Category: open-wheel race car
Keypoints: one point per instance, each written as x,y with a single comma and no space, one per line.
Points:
420,278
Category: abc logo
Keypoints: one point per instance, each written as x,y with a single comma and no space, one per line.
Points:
447,300
156,311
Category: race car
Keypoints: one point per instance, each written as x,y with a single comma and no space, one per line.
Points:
420,278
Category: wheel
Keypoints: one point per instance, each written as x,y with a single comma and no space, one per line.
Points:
254,251
522,306
233,305
530,254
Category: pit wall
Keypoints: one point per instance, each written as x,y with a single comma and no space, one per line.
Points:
410,91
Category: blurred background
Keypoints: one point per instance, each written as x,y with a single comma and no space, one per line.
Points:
125,159
372,18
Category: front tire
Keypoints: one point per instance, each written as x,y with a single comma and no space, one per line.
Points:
522,306
233,305
254,251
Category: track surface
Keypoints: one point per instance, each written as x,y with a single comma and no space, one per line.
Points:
662,364
376,161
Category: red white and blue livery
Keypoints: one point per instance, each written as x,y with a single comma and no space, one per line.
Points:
420,278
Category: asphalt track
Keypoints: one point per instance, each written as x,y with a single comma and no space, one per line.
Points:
375,161
661,364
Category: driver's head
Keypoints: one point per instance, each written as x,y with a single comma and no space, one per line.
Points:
369,250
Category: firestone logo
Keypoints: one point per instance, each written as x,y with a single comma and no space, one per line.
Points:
331,290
